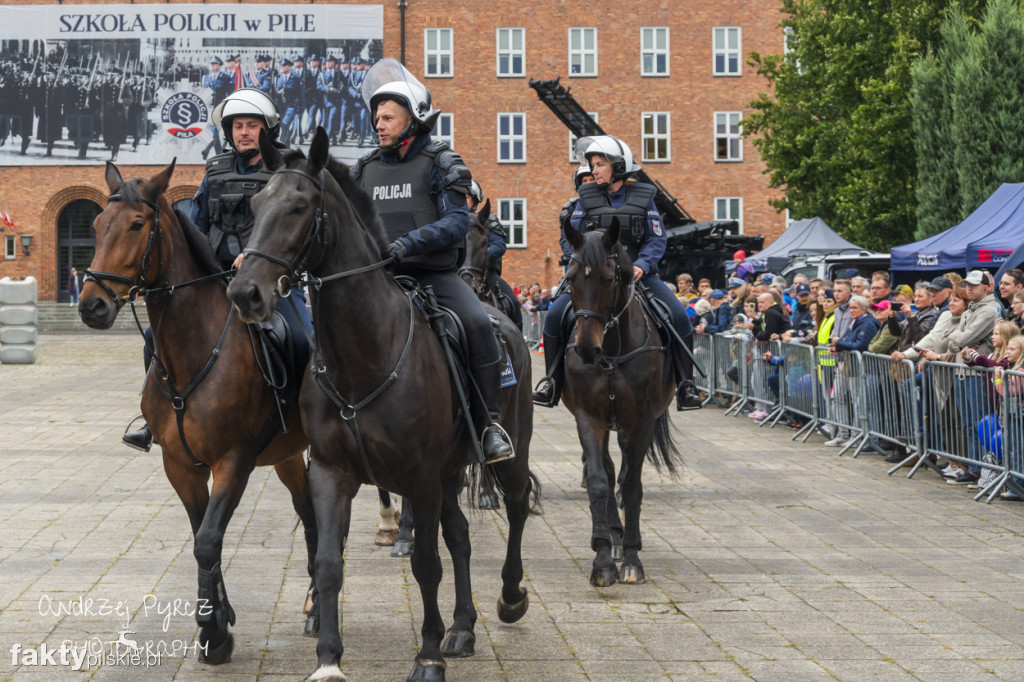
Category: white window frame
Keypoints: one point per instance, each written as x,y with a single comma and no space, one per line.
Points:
512,52
573,139
666,135
513,227
511,137
9,243
727,203
729,158
583,51
654,52
725,52
437,136
435,56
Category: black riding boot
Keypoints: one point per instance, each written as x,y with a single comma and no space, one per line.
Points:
549,389
493,439
141,439
687,397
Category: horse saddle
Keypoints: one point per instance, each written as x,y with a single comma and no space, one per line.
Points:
284,360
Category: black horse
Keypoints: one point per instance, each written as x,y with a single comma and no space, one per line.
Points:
618,376
206,399
477,273
383,410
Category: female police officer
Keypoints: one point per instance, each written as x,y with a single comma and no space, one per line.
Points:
614,194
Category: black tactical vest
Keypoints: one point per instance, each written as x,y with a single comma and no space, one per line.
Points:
401,195
231,219
632,214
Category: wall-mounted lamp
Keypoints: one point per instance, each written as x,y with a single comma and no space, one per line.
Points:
26,242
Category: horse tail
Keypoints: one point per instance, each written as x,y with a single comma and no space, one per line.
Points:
535,492
478,475
663,451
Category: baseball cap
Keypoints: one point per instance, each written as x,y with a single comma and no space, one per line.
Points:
803,288
905,290
735,282
717,294
941,283
881,305
975,277
829,293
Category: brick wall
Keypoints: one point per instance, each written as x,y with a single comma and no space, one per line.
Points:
475,95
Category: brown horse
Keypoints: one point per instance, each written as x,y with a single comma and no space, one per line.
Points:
382,409
205,398
618,376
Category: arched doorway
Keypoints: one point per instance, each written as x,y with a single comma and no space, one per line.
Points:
76,241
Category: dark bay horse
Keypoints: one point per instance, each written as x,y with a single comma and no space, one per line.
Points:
383,409
618,376
204,372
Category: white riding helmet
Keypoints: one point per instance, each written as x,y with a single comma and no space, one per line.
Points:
613,149
577,177
246,102
475,191
388,79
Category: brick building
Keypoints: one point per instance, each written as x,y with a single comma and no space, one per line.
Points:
670,78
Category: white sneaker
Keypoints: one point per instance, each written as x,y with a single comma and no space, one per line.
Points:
835,442
948,471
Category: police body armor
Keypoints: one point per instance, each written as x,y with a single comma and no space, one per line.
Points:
231,218
632,214
400,195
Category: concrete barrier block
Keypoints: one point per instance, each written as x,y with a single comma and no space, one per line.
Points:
18,354
18,335
18,292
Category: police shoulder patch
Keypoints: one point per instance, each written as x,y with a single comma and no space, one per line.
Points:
657,227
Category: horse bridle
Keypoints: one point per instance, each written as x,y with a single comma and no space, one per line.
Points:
593,314
139,276
474,277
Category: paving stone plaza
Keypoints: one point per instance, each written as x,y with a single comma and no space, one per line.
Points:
766,560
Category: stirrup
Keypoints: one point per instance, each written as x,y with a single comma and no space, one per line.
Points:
544,393
687,397
495,426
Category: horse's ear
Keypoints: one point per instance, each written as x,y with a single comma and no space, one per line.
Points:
270,154
611,235
157,184
113,177
319,151
573,236
484,213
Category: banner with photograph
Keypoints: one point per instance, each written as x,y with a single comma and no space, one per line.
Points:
137,84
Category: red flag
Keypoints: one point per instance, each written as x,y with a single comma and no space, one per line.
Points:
7,220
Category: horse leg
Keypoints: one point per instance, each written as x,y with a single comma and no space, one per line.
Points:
404,545
514,601
426,567
333,491
459,641
634,449
190,483
292,473
215,614
594,438
387,531
614,521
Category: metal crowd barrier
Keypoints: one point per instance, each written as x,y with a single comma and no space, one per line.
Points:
730,370
1012,437
841,395
759,379
891,406
798,385
704,351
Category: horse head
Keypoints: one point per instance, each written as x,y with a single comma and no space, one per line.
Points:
475,269
288,213
129,245
599,275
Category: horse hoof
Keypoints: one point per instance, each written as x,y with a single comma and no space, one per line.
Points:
327,673
219,655
458,644
633,575
402,548
489,501
386,538
604,577
312,628
617,554
510,613
427,670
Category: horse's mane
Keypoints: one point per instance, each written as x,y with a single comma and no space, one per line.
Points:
198,244
359,200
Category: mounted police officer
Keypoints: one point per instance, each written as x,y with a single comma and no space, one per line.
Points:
221,208
582,175
615,194
418,188
222,84
497,237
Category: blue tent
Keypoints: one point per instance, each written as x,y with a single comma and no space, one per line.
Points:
983,240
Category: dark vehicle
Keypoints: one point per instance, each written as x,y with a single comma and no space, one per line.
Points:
699,248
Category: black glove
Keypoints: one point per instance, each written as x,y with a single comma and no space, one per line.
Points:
564,260
397,250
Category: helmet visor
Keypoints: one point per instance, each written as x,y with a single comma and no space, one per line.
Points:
389,70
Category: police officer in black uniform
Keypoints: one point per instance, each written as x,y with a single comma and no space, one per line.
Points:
221,208
613,195
497,237
418,188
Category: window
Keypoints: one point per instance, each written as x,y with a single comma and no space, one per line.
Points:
511,138
9,247
438,46
727,51
444,129
512,214
582,51
730,208
511,52
654,136
654,51
728,132
573,138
